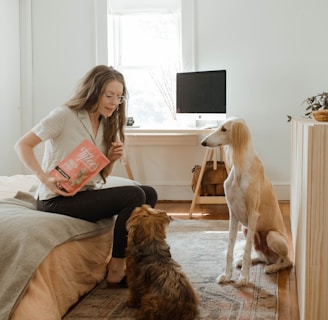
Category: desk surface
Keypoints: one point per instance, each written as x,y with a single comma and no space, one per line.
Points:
187,130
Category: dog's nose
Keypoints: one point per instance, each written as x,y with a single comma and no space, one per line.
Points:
204,143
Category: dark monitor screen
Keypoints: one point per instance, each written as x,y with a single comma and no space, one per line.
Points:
201,92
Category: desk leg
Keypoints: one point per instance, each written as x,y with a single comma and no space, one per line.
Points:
209,154
128,169
201,173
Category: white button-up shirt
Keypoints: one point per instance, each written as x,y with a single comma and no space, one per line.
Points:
62,131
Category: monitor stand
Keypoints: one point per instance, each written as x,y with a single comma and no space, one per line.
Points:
207,123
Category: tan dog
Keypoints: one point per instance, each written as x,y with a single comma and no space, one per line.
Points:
252,202
157,286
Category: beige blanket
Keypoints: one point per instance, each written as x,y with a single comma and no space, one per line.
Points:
26,237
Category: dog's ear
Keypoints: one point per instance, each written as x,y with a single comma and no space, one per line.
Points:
240,134
135,215
164,216
240,137
162,221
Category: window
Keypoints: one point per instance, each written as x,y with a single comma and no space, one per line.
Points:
146,48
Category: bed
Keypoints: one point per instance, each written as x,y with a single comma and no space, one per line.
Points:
48,261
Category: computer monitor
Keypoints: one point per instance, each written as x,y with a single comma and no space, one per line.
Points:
201,96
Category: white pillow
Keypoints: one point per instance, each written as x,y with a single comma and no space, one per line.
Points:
113,181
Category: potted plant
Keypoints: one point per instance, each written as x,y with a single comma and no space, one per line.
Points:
317,107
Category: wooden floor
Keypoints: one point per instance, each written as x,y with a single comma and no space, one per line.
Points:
288,304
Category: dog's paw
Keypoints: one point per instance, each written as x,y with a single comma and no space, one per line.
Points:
242,281
131,304
223,278
271,268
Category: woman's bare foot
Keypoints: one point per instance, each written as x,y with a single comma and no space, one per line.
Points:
116,270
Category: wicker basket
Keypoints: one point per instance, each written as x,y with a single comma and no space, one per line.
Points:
212,181
320,115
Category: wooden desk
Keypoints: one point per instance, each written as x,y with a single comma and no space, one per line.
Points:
166,131
144,131
209,153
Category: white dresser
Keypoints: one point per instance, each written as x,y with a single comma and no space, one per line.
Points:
309,216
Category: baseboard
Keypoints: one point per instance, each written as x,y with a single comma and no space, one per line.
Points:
184,192
282,191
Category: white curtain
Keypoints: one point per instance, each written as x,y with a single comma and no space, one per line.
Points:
135,6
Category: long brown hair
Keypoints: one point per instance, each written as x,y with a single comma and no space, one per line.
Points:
88,93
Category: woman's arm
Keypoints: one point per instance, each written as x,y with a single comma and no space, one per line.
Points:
25,150
114,153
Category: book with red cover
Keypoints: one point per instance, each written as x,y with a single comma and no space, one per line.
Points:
82,164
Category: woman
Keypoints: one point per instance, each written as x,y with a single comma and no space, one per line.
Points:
97,113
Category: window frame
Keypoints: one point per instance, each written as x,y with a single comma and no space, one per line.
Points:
115,56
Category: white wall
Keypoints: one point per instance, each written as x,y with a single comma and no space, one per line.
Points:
64,48
275,55
274,52
64,41
10,121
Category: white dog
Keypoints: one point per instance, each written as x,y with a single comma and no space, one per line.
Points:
252,202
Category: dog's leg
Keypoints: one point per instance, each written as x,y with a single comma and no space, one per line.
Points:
278,244
260,257
247,261
133,299
233,228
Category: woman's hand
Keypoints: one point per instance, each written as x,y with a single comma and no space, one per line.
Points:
24,148
54,184
116,151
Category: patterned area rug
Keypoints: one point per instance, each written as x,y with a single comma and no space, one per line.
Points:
199,247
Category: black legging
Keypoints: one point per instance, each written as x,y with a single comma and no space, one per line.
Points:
94,205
